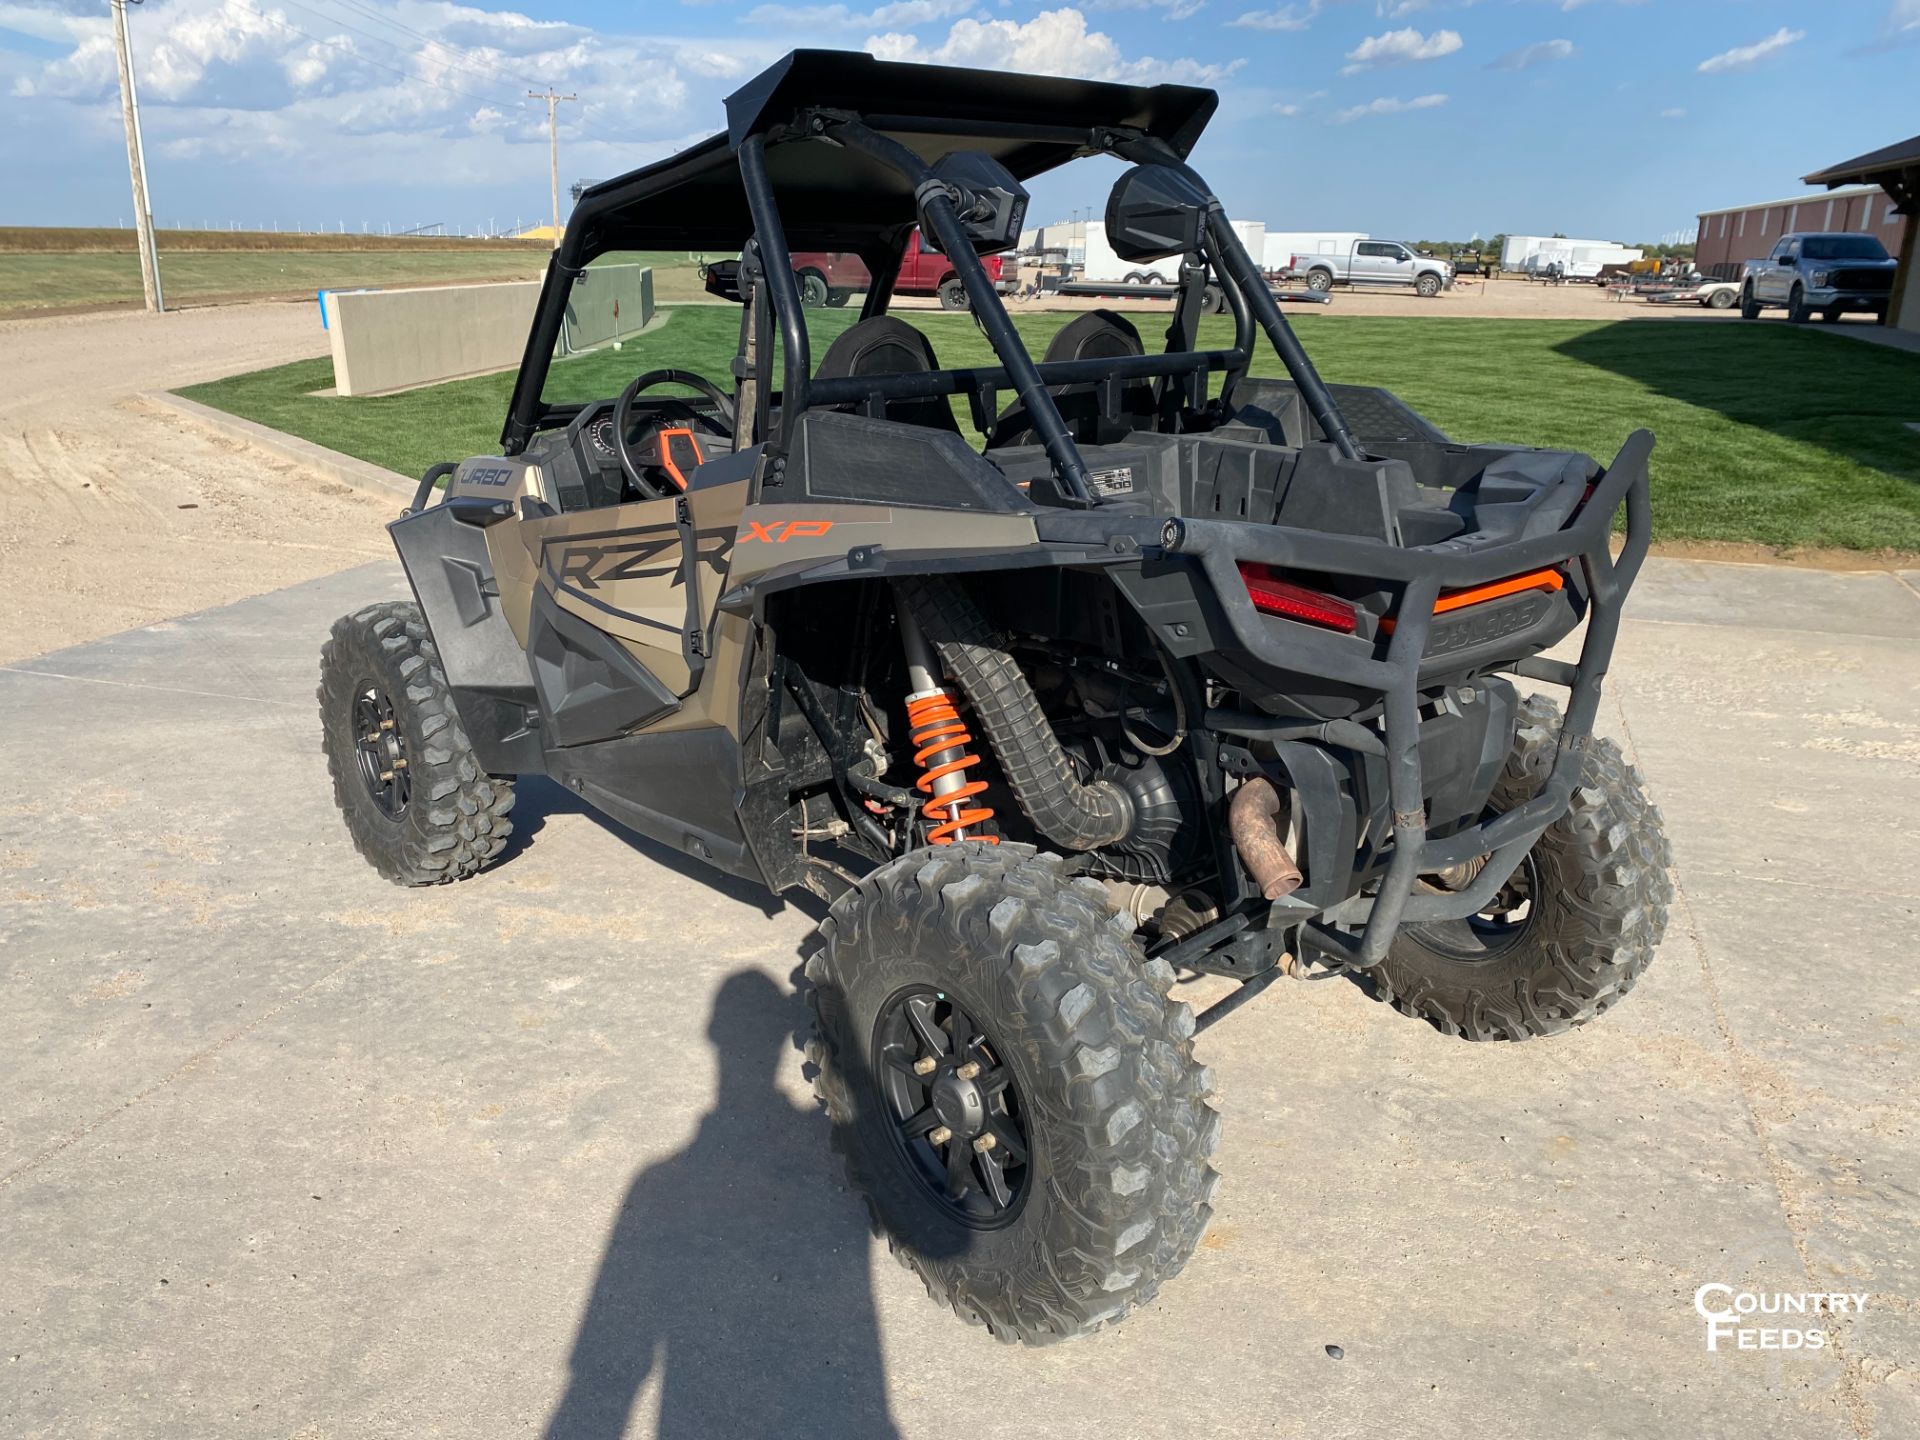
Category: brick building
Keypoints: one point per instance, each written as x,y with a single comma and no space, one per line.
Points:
1748,232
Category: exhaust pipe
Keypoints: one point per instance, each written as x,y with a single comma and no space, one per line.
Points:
1253,819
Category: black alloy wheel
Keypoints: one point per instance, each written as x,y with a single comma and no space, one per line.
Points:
957,1115
1496,929
381,751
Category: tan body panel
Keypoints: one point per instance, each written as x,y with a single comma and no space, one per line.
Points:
618,569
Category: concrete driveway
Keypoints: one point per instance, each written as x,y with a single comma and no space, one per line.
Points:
289,1152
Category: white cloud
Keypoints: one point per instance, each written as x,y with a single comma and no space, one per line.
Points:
1745,57
1169,9
1902,22
1543,52
1054,42
901,14
1388,105
1400,47
1285,17
1673,112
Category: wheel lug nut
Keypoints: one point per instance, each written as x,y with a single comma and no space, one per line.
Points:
940,1135
969,1071
984,1143
924,1065
386,724
386,777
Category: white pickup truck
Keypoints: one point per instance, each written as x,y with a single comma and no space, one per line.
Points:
1376,262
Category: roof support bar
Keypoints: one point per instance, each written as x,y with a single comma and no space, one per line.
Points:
937,207
777,267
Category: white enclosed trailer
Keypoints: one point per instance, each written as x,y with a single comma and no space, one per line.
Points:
1280,246
1581,259
1101,265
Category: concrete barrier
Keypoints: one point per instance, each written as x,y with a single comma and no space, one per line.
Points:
388,340
607,303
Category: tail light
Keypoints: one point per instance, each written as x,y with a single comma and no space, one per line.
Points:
1273,596
1549,579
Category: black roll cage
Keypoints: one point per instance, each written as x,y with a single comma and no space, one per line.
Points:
872,136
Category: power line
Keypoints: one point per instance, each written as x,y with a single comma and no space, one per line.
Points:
487,72
494,100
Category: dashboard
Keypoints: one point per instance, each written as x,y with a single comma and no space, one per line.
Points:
584,459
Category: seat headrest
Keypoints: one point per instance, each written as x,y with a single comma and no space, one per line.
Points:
878,345
885,345
1096,335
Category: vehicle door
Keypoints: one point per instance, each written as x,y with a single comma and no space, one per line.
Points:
1372,263
645,573
1774,279
1397,267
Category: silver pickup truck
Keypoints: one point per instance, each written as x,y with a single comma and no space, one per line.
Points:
1826,274
1376,262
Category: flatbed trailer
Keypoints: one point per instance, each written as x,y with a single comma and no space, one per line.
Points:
1215,302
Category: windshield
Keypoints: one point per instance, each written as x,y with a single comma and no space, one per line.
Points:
624,297
1843,247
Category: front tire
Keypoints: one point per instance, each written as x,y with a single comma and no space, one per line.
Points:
1594,890
417,804
1427,286
1085,1078
1797,312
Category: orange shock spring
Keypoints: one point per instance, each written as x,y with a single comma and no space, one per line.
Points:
940,737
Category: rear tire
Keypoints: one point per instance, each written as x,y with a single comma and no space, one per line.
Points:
1720,300
435,816
814,291
1091,1060
953,295
1321,280
1749,307
1596,910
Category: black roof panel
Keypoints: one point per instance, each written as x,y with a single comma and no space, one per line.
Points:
835,199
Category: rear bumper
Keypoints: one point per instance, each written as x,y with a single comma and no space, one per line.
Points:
1358,930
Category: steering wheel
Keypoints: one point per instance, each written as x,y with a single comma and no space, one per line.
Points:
655,451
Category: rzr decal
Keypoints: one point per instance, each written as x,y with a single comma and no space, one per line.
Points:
585,568
607,559
780,531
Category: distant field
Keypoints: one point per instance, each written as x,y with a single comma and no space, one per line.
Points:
75,238
100,268
1767,434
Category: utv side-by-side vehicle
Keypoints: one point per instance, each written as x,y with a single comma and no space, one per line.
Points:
1175,670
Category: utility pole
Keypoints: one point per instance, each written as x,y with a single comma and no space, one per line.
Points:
553,149
137,164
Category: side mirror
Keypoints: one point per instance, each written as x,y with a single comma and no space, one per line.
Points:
1155,212
992,205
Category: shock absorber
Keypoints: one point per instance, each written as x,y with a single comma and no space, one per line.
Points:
940,740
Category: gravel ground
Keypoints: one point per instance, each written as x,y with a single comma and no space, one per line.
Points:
114,514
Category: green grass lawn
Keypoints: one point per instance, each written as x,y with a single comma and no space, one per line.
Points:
1769,435
31,281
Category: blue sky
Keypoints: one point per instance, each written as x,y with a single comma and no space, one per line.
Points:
1425,118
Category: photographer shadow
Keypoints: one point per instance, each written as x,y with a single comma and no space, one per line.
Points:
736,1275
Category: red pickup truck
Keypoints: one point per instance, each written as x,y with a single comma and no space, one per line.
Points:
831,277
